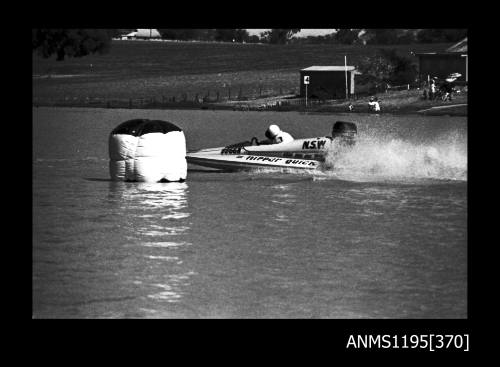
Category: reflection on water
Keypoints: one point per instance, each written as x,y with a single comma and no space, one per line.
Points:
158,218
171,289
283,197
165,244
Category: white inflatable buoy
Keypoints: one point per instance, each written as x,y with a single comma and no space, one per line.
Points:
147,151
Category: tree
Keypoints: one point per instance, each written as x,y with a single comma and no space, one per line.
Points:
407,37
430,35
71,42
387,67
386,36
382,36
278,36
224,35
347,36
206,34
242,35
183,34
441,35
230,35
253,39
455,35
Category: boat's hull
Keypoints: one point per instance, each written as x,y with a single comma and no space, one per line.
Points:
298,154
213,159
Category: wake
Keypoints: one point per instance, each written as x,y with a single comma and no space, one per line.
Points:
375,159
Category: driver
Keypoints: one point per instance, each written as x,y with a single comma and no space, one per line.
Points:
275,135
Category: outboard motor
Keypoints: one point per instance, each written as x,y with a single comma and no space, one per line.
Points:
345,132
147,151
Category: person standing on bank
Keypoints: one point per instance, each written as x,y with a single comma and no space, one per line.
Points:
432,91
374,105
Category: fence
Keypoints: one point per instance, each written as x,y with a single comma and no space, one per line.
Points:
397,87
237,94
228,98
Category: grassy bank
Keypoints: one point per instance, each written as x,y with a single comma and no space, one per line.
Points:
406,102
154,73
394,102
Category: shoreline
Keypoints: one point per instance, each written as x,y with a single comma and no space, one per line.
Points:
396,102
455,109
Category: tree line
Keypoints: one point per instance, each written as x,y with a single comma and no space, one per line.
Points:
274,36
385,36
80,42
380,36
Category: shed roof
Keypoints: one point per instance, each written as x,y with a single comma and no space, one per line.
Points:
459,47
329,68
450,54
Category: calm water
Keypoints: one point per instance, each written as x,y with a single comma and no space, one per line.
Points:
382,235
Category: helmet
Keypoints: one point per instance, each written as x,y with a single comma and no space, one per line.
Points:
272,131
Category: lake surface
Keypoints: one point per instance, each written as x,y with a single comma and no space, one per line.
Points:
381,235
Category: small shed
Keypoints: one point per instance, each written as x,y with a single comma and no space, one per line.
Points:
327,82
441,64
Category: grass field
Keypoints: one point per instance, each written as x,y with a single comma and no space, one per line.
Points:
140,69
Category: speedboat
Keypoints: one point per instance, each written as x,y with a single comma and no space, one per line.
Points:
306,153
